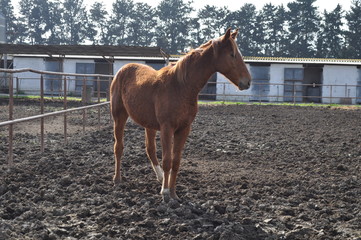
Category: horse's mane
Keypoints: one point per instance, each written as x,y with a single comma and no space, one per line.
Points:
180,67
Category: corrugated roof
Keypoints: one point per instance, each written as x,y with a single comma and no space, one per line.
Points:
285,60
304,60
93,50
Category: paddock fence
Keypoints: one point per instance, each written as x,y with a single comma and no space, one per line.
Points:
86,95
92,91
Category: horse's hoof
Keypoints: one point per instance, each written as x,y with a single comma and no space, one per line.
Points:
117,181
165,195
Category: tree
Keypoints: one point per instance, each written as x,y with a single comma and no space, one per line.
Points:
274,20
98,24
174,25
142,25
120,19
303,21
75,22
245,19
12,29
36,16
330,40
213,21
353,35
54,23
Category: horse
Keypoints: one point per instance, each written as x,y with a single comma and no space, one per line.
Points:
167,101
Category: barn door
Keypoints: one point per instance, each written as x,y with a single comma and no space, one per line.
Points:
85,68
260,82
293,85
53,83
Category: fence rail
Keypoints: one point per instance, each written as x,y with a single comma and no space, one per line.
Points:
64,90
220,91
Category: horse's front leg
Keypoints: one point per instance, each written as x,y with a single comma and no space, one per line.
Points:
166,137
151,152
180,137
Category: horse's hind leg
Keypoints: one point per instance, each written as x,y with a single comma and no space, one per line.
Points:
119,124
151,152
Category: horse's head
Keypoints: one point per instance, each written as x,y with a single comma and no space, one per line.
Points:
229,60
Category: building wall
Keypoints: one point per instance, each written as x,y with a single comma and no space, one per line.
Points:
339,75
27,80
118,64
224,86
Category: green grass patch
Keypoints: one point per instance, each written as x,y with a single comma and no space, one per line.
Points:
333,105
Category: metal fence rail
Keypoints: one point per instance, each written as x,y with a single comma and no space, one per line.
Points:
11,122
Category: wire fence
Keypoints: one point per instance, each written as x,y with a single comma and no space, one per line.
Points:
89,99
284,92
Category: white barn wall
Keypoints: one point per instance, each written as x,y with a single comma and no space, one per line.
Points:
118,64
28,80
339,75
224,86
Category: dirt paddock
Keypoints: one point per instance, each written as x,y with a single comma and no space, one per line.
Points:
248,172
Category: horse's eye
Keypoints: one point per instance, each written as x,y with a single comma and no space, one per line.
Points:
232,55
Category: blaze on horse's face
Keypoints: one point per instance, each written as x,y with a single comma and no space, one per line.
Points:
229,60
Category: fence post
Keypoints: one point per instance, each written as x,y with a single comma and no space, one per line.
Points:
98,87
331,94
42,112
84,101
17,86
65,114
11,127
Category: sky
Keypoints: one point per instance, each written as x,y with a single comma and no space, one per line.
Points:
233,5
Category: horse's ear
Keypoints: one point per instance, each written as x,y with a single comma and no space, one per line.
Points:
234,34
227,35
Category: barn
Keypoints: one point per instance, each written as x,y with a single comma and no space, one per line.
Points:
82,59
274,79
297,80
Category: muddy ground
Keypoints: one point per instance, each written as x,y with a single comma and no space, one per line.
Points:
248,172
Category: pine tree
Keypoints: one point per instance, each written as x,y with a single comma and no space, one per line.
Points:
75,22
303,21
246,20
331,40
273,19
142,25
120,19
98,24
353,35
174,25
213,21
12,27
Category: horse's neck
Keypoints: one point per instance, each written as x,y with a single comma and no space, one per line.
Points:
199,72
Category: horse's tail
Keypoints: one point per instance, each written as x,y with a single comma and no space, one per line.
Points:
116,102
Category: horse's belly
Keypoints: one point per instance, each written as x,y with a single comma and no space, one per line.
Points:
143,114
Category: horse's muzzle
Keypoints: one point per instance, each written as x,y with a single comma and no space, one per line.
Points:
244,84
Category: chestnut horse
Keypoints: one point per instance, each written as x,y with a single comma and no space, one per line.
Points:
166,101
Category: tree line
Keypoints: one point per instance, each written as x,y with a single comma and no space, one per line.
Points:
296,30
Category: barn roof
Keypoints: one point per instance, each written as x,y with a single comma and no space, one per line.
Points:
329,61
82,50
